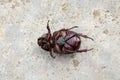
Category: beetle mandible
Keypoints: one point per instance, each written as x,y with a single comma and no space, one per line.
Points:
63,41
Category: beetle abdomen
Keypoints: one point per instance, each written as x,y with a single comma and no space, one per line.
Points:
66,42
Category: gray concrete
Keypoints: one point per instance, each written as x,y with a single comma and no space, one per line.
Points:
23,21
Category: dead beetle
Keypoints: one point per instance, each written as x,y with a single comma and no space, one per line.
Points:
62,41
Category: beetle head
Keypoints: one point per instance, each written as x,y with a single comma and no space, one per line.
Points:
43,41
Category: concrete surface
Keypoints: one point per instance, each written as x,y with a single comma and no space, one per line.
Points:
23,21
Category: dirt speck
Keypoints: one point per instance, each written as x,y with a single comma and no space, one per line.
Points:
67,69
101,40
19,62
64,7
75,62
96,13
72,56
101,20
53,73
96,26
47,74
15,4
28,1
105,31
107,11
10,0
1,32
62,69
103,68
113,19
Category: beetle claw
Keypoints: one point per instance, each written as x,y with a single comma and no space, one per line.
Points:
90,49
72,27
52,55
84,50
85,36
91,38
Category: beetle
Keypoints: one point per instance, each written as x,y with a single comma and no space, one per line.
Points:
63,41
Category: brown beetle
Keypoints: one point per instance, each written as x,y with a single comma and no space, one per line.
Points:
62,41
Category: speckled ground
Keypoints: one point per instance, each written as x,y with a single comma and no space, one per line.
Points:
23,21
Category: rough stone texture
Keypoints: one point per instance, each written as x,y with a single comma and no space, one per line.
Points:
23,21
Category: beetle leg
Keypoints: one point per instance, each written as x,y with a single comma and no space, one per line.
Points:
69,28
63,50
84,50
48,28
52,55
85,36
72,27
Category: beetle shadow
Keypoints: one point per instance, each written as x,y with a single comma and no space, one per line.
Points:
64,58
41,54
38,53
65,55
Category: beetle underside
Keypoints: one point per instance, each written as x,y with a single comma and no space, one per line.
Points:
63,41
